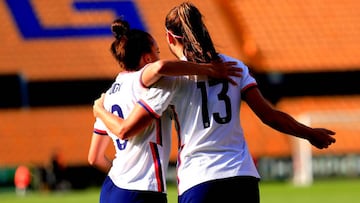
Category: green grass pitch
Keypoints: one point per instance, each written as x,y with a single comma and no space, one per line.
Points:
329,191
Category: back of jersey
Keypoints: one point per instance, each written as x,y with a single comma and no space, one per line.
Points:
140,161
212,143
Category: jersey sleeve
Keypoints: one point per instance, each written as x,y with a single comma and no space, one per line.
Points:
247,80
160,96
99,127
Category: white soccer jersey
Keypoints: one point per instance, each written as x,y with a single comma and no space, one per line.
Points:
140,162
212,144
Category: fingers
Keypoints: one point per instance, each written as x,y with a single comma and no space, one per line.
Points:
325,144
329,132
232,81
235,71
226,70
322,145
323,138
230,63
235,74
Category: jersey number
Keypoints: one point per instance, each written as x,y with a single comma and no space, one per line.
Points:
222,96
121,144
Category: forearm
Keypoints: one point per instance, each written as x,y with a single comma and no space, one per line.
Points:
284,123
111,121
103,164
138,119
154,71
136,122
272,117
318,137
96,155
174,68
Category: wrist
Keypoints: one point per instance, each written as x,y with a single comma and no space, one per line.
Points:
209,69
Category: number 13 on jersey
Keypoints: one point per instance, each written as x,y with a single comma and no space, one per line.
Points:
221,96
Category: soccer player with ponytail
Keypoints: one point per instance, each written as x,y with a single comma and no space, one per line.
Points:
214,162
138,171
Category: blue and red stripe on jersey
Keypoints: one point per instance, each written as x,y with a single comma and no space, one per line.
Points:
248,87
158,169
100,132
148,108
158,132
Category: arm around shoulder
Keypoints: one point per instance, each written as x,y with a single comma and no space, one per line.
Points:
137,120
154,71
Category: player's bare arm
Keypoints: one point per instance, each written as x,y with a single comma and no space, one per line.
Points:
96,155
139,117
283,122
137,120
222,70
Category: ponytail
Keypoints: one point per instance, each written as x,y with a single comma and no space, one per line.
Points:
120,29
129,45
186,21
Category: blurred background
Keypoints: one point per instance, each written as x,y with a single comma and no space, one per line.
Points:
55,61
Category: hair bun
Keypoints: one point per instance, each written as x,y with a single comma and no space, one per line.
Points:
120,28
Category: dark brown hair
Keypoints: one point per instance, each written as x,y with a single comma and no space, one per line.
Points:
129,44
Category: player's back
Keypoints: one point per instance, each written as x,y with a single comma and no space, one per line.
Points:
134,165
212,141
124,92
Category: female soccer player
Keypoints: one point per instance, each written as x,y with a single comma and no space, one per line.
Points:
137,174
214,161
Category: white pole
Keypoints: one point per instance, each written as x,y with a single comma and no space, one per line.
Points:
302,158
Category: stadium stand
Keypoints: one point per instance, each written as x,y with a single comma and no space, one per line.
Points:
340,113
31,136
302,36
304,55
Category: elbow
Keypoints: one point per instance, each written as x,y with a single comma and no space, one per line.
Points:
126,132
96,161
92,160
161,67
122,133
268,121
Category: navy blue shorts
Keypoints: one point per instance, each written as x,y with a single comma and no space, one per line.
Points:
110,193
234,189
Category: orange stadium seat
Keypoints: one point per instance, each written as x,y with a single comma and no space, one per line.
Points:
274,36
302,36
31,136
338,113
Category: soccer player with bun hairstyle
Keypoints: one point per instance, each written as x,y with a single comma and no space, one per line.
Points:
214,163
138,171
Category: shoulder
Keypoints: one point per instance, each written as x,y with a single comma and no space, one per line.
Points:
229,58
124,75
129,77
169,80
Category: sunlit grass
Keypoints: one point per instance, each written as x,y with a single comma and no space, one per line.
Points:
329,191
